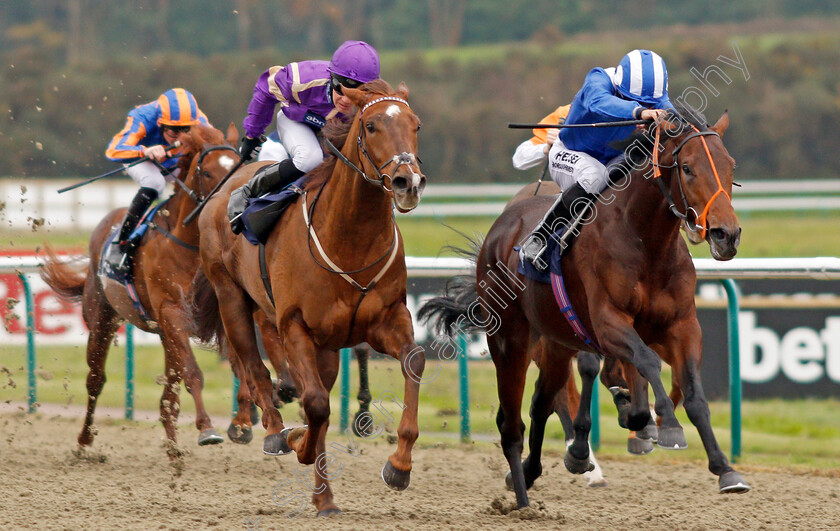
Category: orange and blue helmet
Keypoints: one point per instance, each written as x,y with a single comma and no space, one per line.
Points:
177,108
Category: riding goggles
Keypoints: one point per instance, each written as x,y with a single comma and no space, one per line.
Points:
338,83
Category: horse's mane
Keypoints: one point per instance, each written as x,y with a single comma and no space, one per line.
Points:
207,135
337,131
684,115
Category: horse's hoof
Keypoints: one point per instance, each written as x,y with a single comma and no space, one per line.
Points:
672,439
732,483
329,512
509,481
210,436
638,446
395,479
277,443
240,434
649,433
577,466
368,426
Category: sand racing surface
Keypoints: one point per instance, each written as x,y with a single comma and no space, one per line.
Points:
126,482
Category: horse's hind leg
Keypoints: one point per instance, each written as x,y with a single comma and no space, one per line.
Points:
362,356
554,363
240,429
103,322
684,346
508,348
577,454
181,365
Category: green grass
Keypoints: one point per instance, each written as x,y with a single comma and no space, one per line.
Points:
764,235
797,434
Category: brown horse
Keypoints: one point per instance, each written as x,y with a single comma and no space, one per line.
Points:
164,266
337,278
631,281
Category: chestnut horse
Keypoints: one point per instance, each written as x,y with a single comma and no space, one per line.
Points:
164,265
631,281
337,278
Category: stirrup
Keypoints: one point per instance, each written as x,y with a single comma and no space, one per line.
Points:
115,258
533,249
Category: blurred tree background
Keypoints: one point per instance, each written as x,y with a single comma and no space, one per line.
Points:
71,69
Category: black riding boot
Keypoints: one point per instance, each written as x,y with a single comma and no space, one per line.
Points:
564,210
268,179
142,200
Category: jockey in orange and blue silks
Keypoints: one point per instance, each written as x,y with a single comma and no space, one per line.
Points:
579,158
149,130
309,93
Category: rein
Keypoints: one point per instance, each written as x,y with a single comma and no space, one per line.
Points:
403,159
700,224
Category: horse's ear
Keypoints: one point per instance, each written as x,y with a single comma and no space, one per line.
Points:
722,123
402,90
232,136
357,96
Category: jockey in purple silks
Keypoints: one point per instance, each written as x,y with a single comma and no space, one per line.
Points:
309,93
149,131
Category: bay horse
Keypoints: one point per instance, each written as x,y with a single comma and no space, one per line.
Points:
631,281
164,266
334,277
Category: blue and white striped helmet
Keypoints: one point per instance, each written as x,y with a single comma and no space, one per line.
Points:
641,75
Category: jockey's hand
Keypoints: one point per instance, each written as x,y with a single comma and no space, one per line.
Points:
551,136
248,145
157,153
653,114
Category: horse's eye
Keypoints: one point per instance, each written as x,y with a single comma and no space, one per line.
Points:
419,126
370,127
686,169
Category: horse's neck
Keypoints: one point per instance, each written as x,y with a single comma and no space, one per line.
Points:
646,215
176,210
356,212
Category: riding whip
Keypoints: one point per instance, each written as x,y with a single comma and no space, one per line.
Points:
564,126
174,145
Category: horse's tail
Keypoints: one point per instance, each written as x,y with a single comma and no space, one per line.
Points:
66,279
459,308
203,307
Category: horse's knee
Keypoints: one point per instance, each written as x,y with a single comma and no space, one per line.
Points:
588,365
414,362
316,405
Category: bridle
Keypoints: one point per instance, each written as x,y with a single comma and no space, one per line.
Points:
700,224
402,159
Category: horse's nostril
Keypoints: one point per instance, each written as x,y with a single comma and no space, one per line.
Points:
399,183
717,234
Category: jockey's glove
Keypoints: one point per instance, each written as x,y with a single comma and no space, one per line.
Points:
247,146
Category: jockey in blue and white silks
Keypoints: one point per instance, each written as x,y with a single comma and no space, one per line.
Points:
636,89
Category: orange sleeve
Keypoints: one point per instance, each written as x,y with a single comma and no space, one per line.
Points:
556,117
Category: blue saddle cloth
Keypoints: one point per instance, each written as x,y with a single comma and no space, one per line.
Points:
554,256
262,213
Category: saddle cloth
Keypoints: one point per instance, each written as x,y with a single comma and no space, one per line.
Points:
262,213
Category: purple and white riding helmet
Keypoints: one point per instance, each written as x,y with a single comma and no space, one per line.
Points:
352,64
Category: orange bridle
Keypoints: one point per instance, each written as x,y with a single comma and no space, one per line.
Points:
700,224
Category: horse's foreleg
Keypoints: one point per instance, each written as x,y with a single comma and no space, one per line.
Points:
618,338
286,388
102,323
684,344
394,335
317,370
577,454
322,497
176,343
362,356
